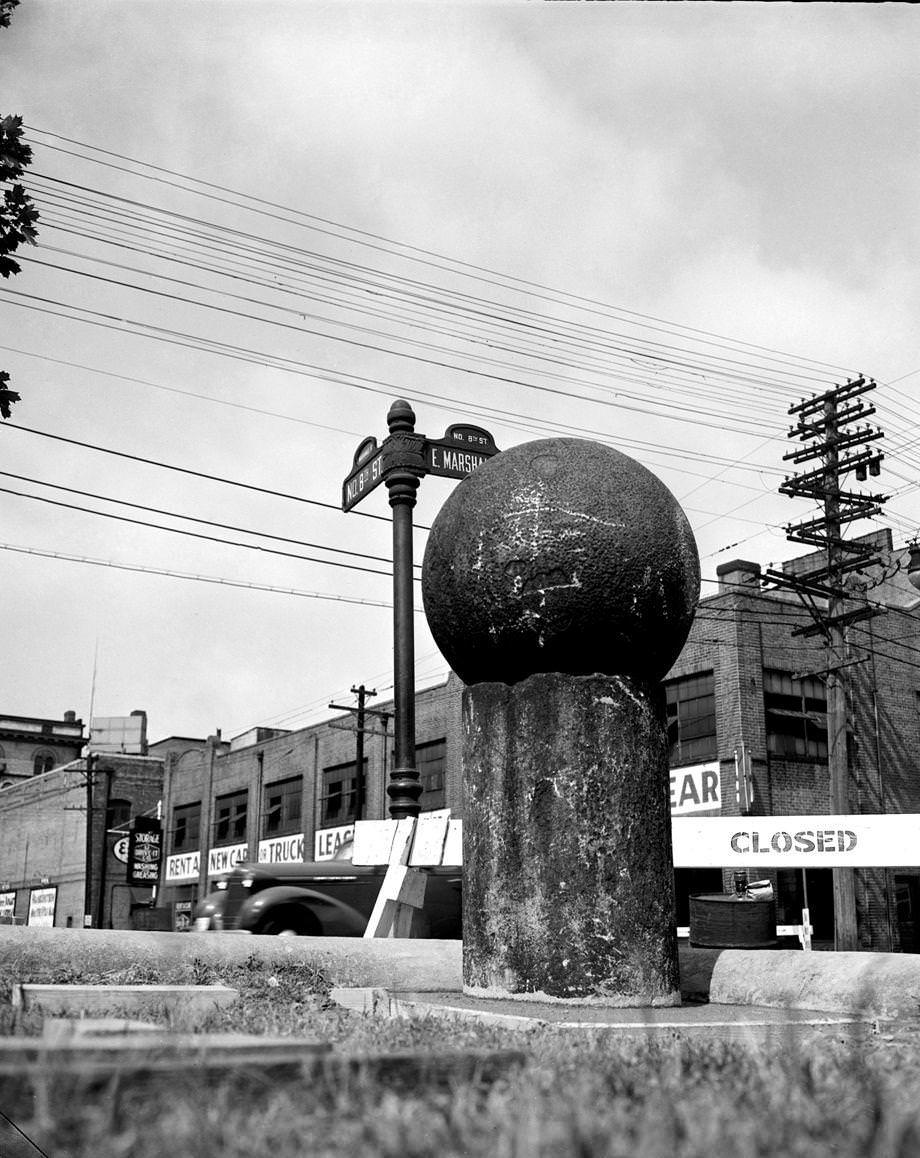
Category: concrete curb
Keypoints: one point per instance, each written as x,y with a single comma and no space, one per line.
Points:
194,1003
391,963
885,985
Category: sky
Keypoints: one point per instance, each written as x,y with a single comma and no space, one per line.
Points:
657,225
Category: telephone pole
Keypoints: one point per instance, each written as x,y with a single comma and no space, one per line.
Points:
88,883
361,712
824,428
362,693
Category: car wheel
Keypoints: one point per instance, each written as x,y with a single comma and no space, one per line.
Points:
290,922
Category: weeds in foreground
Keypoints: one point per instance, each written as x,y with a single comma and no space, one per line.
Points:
577,1095
574,1098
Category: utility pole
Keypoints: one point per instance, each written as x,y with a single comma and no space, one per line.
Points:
360,790
104,850
88,883
361,712
823,423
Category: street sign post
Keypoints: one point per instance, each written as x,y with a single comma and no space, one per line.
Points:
401,461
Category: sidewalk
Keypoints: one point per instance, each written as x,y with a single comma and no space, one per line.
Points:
755,1024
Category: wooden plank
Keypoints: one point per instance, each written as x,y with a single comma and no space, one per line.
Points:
373,841
430,834
453,845
395,882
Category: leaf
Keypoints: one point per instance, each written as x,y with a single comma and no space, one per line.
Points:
7,397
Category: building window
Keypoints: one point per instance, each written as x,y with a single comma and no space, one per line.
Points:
339,801
796,714
43,761
186,827
430,760
118,814
283,807
230,818
691,704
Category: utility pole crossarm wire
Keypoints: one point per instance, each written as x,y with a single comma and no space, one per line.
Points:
822,427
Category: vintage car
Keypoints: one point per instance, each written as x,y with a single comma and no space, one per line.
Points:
332,898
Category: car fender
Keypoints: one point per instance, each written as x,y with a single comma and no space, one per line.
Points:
335,918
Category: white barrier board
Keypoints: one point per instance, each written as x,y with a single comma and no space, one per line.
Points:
796,841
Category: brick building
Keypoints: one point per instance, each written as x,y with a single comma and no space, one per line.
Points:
43,842
30,746
750,696
746,713
273,795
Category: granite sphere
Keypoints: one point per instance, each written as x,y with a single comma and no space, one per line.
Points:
560,555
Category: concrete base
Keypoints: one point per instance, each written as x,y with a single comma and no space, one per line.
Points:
567,866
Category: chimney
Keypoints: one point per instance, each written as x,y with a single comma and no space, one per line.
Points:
737,574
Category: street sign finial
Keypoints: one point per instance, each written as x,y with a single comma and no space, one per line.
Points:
401,417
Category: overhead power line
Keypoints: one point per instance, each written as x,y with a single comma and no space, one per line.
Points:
187,518
195,578
394,248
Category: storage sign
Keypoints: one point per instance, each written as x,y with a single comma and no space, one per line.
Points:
796,841
145,844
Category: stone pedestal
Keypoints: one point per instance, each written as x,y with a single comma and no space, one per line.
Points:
568,875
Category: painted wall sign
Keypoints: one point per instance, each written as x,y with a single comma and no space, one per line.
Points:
695,789
282,849
185,866
42,903
753,842
222,860
328,841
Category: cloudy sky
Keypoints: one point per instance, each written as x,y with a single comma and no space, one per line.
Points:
657,225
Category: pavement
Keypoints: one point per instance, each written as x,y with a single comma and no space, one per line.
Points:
755,1025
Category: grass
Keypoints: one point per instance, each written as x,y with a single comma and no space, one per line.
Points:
577,1095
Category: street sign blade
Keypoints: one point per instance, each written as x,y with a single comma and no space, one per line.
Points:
362,481
451,461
